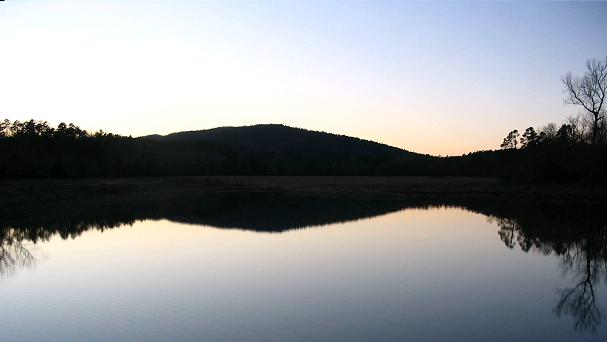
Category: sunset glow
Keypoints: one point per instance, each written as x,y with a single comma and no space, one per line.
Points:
443,79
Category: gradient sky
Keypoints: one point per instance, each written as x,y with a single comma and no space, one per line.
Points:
438,78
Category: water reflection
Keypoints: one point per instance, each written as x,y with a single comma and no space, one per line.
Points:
577,235
13,253
580,300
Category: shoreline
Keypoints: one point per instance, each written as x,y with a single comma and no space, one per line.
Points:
23,191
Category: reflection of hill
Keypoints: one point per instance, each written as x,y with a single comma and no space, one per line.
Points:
258,211
277,211
576,234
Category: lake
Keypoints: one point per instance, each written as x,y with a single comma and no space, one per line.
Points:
246,267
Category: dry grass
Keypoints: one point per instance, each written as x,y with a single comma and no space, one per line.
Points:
19,191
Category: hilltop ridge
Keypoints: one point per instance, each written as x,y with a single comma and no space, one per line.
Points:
277,137
35,149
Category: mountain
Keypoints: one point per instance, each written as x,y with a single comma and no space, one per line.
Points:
280,149
283,139
34,149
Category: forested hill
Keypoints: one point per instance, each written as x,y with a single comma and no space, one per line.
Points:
280,149
34,149
287,140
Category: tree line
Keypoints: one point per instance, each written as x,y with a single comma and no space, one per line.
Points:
35,149
576,130
579,142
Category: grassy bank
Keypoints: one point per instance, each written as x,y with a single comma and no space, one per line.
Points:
22,191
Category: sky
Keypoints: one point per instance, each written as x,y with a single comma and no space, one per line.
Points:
443,78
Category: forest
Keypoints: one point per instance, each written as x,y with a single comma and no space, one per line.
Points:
549,154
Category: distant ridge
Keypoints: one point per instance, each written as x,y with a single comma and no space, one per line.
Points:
34,149
280,149
280,138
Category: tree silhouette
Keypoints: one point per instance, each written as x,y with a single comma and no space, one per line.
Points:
588,91
564,135
511,140
530,138
35,149
4,128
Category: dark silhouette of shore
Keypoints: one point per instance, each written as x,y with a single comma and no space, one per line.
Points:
33,149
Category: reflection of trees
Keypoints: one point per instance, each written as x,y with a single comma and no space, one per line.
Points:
580,300
583,253
257,211
13,254
512,234
508,232
587,261
540,228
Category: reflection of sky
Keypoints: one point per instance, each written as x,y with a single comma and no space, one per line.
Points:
424,274
441,78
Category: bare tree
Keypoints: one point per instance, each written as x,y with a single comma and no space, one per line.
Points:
589,90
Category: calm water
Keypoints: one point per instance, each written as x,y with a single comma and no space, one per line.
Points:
312,271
